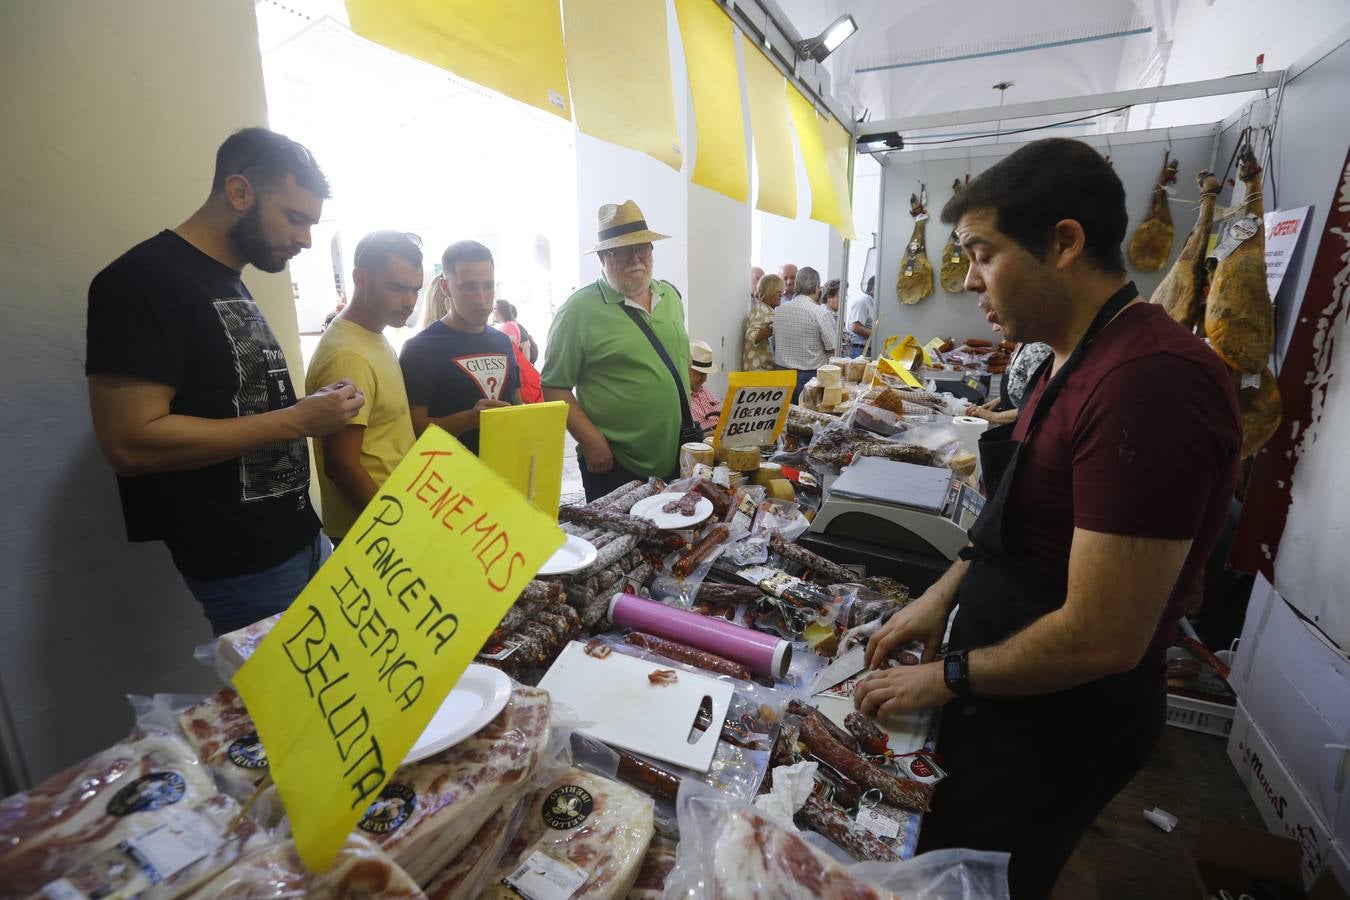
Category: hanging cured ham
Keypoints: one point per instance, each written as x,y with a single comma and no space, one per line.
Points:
915,281
955,263
1182,291
1152,241
1261,408
1239,319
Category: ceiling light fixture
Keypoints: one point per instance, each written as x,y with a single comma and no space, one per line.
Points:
880,142
825,43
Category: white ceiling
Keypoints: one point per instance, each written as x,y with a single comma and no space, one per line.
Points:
944,56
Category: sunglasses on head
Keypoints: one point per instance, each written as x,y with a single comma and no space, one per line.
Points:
298,153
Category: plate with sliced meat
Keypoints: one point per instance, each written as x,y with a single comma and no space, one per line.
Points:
475,700
674,510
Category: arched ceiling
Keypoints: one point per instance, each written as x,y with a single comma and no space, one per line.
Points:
930,56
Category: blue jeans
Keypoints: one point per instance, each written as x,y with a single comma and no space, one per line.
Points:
232,603
855,349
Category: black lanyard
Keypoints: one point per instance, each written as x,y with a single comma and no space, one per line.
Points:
686,417
1110,309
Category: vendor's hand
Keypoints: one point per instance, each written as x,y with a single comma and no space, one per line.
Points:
924,620
901,689
327,409
599,457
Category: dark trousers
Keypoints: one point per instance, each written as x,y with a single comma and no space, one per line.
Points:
599,484
803,376
1024,780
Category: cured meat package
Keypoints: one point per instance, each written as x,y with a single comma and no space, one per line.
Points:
583,830
431,809
142,818
360,871
729,849
224,737
467,874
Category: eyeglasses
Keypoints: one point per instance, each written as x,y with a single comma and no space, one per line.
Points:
415,238
619,254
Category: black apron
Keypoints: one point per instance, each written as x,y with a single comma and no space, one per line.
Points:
1028,775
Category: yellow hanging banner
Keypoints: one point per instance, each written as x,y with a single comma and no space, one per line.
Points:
756,408
769,117
824,202
486,43
618,62
524,445
708,37
349,677
838,148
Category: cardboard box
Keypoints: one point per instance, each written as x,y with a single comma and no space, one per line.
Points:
1244,861
1295,685
1283,806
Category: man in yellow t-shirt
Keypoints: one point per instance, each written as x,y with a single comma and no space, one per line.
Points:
355,461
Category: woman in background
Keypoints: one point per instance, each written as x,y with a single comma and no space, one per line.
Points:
757,348
504,320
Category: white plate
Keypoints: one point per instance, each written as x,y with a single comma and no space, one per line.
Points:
574,555
475,700
650,509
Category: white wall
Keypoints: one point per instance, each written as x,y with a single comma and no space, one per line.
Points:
956,315
719,277
102,149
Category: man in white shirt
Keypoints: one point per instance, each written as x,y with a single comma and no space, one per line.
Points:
862,314
804,331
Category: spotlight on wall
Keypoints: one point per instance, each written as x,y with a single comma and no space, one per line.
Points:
825,43
880,142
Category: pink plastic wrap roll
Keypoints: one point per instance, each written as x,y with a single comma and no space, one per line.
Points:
760,652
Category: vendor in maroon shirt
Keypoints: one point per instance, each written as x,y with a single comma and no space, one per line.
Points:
1106,497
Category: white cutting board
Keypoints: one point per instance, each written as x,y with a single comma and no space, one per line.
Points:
631,712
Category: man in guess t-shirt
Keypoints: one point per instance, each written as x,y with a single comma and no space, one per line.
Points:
457,367
1106,498
191,399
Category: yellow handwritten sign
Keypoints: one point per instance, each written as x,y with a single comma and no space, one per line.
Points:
524,445
900,369
352,673
755,409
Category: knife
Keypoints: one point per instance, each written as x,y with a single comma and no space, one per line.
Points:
850,663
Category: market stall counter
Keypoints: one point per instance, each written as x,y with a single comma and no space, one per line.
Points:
692,678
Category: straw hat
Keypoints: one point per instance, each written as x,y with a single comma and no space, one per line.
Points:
701,358
623,225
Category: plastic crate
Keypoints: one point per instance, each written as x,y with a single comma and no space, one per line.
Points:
1200,715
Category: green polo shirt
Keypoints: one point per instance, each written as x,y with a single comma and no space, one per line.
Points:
595,350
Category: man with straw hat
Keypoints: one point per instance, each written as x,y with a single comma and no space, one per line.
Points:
618,355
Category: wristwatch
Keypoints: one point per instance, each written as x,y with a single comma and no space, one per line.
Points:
956,673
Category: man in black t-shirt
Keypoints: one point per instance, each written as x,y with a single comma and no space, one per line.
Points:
190,395
457,367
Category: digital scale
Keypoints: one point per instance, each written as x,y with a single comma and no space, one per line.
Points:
901,506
